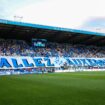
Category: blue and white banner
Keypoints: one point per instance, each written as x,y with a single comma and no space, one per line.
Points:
34,62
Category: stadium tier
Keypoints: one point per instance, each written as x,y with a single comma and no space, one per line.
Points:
37,48
11,47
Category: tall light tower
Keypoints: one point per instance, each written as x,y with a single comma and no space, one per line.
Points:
99,29
18,18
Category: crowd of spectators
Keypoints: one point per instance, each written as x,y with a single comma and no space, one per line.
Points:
21,48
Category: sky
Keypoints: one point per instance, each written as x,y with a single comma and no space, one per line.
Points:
75,14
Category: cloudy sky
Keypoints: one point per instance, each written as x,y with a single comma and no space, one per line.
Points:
76,14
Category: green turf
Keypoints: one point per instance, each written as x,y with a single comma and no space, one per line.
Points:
81,88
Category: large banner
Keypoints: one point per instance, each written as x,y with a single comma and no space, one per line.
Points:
34,62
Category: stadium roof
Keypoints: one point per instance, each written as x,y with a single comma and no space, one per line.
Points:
27,31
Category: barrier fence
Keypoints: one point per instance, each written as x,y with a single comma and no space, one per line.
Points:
27,65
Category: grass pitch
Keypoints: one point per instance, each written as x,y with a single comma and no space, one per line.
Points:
80,88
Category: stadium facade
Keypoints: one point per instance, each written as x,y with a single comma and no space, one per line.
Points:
32,48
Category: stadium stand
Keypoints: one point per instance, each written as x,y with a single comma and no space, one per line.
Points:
13,47
64,49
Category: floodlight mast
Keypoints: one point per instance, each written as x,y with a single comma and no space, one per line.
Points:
18,18
100,30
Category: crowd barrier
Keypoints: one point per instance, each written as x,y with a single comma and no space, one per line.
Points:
27,65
